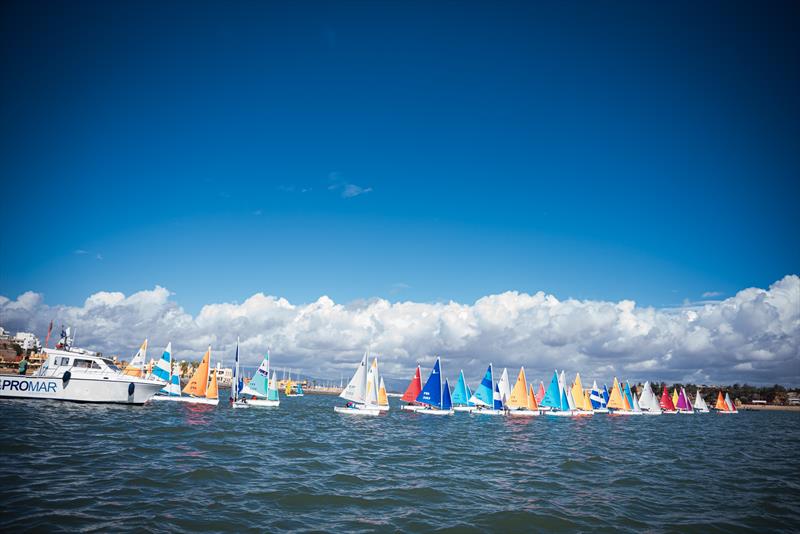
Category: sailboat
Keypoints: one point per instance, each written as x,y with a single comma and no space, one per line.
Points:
202,387
567,392
616,400
486,399
540,393
263,392
411,393
648,401
578,397
137,365
504,387
435,395
684,406
633,402
522,402
293,389
666,402
555,398
163,371
383,398
237,384
724,404
461,395
356,394
675,397
597,399
700,403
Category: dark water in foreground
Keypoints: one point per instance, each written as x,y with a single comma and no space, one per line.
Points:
176,467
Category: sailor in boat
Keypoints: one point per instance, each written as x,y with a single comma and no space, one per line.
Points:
23,364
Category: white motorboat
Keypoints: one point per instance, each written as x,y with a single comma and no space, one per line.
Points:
80,376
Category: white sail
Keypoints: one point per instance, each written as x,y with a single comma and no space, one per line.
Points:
700,403
636,407
562,382
504,385
357,387
728,401
371,396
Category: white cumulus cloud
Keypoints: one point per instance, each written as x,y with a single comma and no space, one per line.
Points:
753,336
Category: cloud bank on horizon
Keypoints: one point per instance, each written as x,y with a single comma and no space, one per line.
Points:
752,337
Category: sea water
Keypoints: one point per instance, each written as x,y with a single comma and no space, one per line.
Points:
301,467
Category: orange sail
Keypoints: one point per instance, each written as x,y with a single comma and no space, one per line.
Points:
721,405
615,398
518,398
532,404
199,381
213,391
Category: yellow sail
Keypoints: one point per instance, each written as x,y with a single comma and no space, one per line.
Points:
577,392
675,396
587,402
615,398
289,385
532,404
133,369
198,383
518,397
213,391
383,399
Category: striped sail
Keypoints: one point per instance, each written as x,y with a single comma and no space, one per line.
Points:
484,395
596,397
163,368
259,384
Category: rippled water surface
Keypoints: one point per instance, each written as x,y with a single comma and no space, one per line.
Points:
178,467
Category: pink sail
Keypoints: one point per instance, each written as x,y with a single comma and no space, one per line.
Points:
683,403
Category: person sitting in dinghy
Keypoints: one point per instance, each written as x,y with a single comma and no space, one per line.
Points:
350,405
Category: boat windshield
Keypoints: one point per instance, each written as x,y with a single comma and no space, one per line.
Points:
110,364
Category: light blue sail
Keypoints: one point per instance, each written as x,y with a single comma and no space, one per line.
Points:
552,397
272,393
298,388
175,390
484,395
432,390
447,401
628,394
497,398
461,393
564,401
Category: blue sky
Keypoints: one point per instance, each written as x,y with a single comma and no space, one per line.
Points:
423,151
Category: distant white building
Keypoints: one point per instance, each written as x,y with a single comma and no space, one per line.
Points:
28,341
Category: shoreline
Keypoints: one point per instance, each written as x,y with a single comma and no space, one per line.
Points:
769,408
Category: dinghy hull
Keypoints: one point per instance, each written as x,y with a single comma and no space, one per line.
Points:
356,411
411,407
560,413
435,411
263,403
465,409
488,411
524,413
190,400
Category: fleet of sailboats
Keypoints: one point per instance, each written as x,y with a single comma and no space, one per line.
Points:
367,395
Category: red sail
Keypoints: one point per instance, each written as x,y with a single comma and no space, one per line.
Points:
666,401
413,388
540,395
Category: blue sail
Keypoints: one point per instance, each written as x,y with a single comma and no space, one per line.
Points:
461,392
552,397
235,383
447,401
485,393
175,390
564,401
299,388
596,398
605,395
432,391
628,394
497,398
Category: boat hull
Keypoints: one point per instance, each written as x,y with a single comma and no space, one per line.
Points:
263,403
488,412
356,411
187,399
466,409
725,412
238,405
600,410
582,413
651,413
294,395
560,413
411,407
435,411
79,389
524,413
